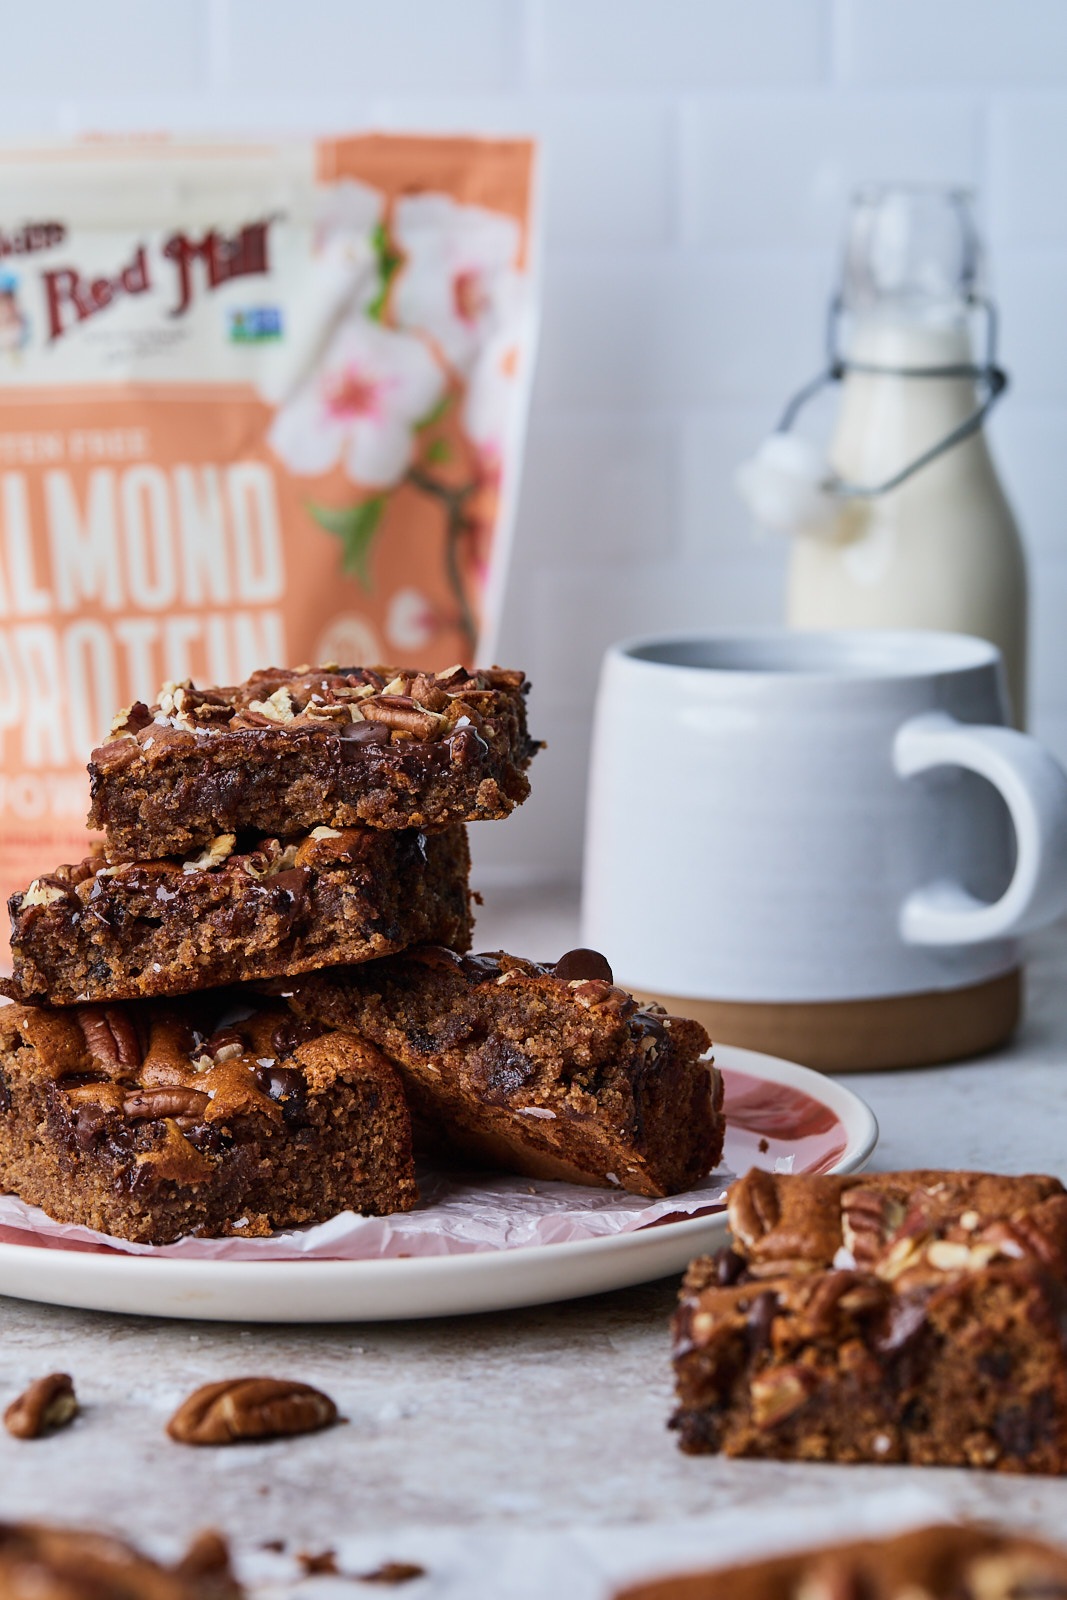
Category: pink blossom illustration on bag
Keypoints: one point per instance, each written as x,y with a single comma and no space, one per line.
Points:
412,390
360,406
459,282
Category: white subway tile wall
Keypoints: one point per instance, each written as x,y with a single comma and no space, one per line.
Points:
699,157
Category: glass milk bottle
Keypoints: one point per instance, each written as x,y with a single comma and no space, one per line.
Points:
910,526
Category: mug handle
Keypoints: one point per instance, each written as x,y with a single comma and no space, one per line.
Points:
1034,788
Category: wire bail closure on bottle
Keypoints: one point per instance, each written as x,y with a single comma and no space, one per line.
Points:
993,378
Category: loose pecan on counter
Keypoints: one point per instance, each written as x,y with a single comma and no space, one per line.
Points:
49,1403
250,1408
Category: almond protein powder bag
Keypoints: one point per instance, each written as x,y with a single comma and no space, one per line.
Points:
260,404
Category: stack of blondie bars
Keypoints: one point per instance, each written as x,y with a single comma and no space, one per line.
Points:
252,1001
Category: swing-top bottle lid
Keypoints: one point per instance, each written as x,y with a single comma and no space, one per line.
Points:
912,248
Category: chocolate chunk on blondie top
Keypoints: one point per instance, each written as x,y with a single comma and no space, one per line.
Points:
550,1071
216,1114
239,909
918,1317
288,751
936,1563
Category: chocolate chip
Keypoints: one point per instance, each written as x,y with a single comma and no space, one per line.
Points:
481,969
1012,1430
287,1035
904,1321
1020,1429
582,965
88,1124
729,1266
365,732
995,1364
501,1067
293,881
289,1088
760,1319
205,1137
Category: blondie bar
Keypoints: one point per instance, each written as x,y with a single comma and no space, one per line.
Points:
208,1115
936,1563
288,751
917,1317
550,1071
237,910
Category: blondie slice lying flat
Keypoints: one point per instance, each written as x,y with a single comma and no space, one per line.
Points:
235,911
917,1317
937,1563
288,751
155,1119
550,1071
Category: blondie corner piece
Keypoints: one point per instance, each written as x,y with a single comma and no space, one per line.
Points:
943,1562
550,1071
155,1119
54,1563
915,1317
235,912
288,751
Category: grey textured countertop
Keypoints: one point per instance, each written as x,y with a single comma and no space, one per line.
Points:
516,1453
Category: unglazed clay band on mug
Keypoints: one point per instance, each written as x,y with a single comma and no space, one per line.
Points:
1034,787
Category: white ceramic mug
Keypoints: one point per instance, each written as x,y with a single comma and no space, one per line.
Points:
797,820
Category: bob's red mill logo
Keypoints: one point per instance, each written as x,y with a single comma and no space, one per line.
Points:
72,297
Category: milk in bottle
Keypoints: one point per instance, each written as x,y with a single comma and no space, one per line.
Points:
888,538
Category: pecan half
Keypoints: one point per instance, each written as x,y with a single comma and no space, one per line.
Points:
403,715
250,1408
147,1105
47,1404
227,1044
426,692
869,1219
110,1036
753,1206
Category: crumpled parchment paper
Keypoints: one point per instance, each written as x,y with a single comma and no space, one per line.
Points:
458,1213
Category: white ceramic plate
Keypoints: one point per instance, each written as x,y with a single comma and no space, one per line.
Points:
775,1104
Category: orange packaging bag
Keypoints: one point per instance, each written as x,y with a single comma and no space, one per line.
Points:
259,405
